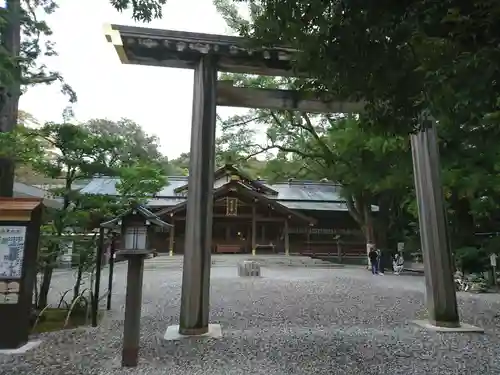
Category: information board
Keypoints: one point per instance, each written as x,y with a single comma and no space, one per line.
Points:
12,241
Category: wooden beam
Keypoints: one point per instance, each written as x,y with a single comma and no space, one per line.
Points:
171,239
247,97
242,217
254,228
287,238
180,49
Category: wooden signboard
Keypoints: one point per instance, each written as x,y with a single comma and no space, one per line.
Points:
231,206
20,220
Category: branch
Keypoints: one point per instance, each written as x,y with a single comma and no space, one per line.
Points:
351,206
227,126
310,128
327,154
36,80
274,146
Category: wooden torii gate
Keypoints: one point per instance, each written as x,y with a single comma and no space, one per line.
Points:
207,54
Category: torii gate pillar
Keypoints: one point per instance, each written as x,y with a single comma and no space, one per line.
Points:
196,268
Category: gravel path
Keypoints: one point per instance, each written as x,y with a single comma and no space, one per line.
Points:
291,321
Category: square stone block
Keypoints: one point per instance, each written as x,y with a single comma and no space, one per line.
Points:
23,349
249,268
464,327
214,332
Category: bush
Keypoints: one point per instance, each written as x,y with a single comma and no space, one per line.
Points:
472,259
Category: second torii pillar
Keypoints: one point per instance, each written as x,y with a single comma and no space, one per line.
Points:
195,296
438,260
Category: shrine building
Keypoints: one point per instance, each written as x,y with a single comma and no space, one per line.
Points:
252,216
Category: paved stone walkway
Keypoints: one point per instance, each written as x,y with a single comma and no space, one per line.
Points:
290,321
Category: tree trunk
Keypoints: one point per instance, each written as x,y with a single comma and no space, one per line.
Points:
369,231
78,282
463,222
55,249
383,222
45,287
9,96
360,209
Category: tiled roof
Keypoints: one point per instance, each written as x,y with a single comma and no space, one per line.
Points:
295,190
301,195
27,191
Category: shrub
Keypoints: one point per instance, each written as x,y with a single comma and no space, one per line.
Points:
471,259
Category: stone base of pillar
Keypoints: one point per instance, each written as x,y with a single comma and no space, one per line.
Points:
253,252
171,253
463,327
23,349
214,332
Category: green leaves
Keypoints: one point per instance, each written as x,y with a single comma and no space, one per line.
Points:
399,57
140,181
142,10
21,144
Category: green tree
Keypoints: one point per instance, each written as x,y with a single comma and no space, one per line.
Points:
22,33
140,181
402,59
372,169
180,165
76,154
136,144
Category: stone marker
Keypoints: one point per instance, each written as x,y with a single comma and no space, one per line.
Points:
248,268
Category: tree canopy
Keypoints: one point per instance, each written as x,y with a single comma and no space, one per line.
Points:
402,59
66,154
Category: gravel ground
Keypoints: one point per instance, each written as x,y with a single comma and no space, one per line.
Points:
290,321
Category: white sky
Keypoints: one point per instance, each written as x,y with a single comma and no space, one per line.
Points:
159,99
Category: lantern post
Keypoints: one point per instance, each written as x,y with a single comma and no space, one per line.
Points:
136,227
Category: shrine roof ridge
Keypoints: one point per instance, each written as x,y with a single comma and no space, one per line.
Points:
262,181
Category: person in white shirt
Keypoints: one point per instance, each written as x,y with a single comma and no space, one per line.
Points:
398,264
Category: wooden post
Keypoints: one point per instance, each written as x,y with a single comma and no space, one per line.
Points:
287,238
172,238
112,252
98,271
133,305
308,239
254,230
194,309
436,250
339,251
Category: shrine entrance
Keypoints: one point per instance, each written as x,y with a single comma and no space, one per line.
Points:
245,218
207,54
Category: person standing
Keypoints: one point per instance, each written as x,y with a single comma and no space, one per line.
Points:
380,263
373,256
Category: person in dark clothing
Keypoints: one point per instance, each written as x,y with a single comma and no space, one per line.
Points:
373,260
